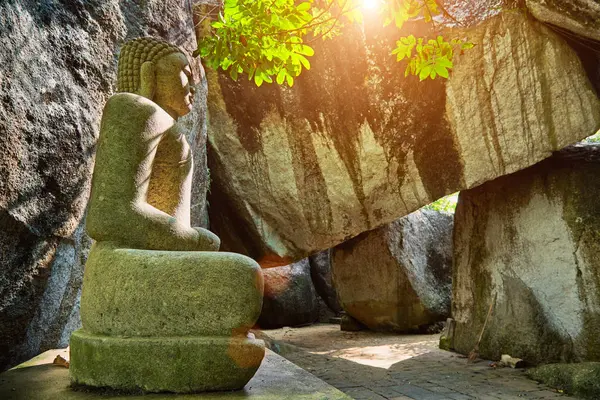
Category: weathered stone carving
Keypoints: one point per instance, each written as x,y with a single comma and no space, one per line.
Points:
54,82
161,310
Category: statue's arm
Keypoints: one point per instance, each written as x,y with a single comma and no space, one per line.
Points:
157,230
119,211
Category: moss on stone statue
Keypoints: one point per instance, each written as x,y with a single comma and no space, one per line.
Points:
171,364
581,379
130,292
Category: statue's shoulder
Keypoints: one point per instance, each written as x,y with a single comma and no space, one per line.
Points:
132,105
131,115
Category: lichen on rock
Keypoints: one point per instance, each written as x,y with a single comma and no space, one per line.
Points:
530,241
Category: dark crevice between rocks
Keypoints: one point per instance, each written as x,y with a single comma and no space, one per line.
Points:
588,51
227,219
52,336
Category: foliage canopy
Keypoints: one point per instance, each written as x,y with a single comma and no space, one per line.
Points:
445,204
271,40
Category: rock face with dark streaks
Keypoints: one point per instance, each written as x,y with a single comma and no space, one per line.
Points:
531,241
397,277
354,145
289,298
577,21
57,67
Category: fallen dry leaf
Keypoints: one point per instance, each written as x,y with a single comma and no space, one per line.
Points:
61,362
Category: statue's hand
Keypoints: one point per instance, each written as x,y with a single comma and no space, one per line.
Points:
207,241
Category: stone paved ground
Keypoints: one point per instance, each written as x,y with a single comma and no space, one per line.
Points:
376,366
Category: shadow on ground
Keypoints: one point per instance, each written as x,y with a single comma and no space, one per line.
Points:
412,367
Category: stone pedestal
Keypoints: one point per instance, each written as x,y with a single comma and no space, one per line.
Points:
165,364
167,321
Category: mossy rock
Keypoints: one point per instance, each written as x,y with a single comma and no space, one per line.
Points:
445,343
581,379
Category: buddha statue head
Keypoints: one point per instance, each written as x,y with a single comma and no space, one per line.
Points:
158,71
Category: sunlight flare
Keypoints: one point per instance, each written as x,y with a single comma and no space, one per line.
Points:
371,4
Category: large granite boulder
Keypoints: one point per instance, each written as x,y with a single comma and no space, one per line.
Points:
578,16
290,298
531,240
320,272
57,67
397,277
355,145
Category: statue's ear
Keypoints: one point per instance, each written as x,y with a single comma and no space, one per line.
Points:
147,80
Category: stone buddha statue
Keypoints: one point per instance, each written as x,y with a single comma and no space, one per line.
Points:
161,309
143,172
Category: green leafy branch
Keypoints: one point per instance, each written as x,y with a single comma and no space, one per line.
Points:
445,204
270,40
428,59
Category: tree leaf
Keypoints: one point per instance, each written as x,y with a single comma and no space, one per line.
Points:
441,70
304,61
303,6
306,50
425,71
233,72
281,76
444,62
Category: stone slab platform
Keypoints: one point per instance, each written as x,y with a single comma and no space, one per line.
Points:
276,379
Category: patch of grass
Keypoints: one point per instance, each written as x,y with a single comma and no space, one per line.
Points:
579,379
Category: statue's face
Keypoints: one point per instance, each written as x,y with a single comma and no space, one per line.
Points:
173,79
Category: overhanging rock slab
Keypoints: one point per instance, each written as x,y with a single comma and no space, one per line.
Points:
354,145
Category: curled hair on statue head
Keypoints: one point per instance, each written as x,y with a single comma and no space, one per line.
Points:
134,54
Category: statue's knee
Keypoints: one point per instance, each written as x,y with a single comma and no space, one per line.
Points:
207,240
132,292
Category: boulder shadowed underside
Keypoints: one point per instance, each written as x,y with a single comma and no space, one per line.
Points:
290,298
320,272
